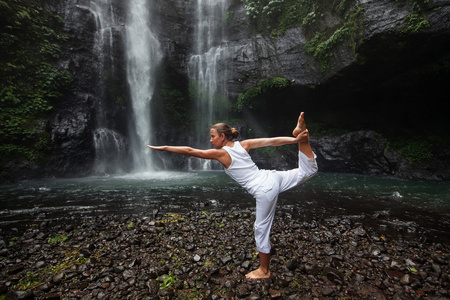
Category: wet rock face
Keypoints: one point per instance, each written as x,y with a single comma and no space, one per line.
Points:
360,152
72,137
72,123
251,58
368,153
206,255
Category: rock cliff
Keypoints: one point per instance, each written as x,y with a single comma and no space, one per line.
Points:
366,74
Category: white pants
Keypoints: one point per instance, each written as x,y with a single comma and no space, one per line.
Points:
267,195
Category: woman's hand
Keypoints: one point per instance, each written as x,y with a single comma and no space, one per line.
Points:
303,136
159,148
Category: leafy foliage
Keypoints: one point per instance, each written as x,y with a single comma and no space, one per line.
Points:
321,47
416,151
251,98
30,83
415,23
168,281
276,16
59,238
418,5
35,279
175,109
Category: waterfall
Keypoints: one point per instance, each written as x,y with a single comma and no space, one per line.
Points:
143,54
105,21
207,69
110,150
109,144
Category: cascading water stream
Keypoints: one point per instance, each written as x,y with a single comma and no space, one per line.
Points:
142,51
143,54
207,70
109,144
104,41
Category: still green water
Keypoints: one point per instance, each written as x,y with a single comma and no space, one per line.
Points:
386,204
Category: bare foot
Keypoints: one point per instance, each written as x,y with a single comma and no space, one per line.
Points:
258,274
301,125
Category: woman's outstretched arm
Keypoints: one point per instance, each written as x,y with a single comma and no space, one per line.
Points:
217,154
274,141
184,150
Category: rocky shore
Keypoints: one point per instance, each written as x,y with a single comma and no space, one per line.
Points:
205,255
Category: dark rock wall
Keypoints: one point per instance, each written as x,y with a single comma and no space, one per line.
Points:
92,92
73,120
252,57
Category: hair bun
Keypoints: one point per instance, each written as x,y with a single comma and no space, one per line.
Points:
223,128
234,132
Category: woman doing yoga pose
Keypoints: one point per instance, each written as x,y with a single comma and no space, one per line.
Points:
263,185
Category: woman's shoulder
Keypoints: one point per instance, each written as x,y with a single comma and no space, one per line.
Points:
244,145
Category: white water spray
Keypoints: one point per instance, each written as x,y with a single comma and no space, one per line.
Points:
109,151
207,68
143,54
109,145
105,20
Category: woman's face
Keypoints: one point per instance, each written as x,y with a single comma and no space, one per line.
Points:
216,140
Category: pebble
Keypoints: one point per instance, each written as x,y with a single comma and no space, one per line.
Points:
160,257
58,277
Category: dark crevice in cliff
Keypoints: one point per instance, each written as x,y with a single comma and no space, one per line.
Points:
396,84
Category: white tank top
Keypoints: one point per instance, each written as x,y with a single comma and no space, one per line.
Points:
243,170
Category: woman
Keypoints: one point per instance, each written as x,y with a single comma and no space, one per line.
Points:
263,185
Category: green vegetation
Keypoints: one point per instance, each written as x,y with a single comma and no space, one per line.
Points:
415,23
59,238
167,280
252,97
175,108
270,152
416,151
30,84
171,218
29,281
418,5
323,129
32,280
198,91
12,242
276,16
321,46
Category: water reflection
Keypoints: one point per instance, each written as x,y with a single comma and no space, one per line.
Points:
384,203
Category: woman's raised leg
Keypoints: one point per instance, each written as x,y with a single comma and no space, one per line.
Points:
303,144
301,126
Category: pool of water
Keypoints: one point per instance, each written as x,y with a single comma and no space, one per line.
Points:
388,204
